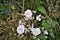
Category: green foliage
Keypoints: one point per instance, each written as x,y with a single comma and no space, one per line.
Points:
6,29
1,7
51,33
42,10
49,24
46,25
8,37
42,37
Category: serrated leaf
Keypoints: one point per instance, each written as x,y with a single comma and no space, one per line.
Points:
45,24
51,33
42,10
53,24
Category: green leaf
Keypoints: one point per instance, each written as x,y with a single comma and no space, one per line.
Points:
53,23
12,7
45,24
42,10
51,33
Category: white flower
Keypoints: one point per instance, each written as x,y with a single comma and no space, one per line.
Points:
20,29
28,14
38,18
35,31
46,32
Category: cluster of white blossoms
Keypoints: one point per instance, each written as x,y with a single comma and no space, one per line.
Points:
21,28
28,15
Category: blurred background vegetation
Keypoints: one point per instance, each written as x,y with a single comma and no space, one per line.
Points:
11,10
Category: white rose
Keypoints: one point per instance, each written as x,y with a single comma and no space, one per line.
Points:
38,18
46,32
35,31
20,29
28,14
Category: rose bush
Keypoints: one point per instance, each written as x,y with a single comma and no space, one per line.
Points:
29,19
